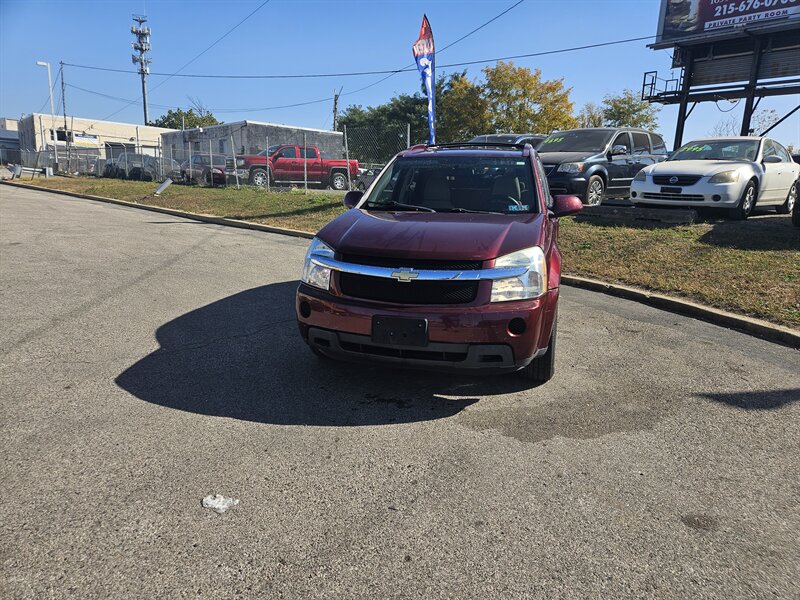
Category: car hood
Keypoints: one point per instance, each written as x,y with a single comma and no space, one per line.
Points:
443,236
697,167
556,158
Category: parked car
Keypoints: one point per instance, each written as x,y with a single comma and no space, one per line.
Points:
137,166
734,173
598,163
293,164
534,139
366,177
201,170
796,214
449,261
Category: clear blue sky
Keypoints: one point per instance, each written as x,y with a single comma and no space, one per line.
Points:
307,36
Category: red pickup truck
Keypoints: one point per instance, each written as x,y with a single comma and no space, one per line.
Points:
292,164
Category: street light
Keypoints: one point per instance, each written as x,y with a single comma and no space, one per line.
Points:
41,63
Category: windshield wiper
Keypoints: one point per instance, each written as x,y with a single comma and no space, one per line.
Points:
401,205
479,212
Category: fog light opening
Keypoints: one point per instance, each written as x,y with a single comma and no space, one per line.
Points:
305,309
716,197
517,326
633,194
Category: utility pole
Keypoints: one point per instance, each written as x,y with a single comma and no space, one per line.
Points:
336,107
142,46
64,105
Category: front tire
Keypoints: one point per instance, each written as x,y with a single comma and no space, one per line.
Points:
594,191
542,369
339,181
791,199
259,177
746,203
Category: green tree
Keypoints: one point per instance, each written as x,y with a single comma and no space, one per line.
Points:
462,110
520,101
629,110
175,119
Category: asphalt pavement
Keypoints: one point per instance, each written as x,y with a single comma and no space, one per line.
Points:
147,361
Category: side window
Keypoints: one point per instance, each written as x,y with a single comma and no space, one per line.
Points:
623,140
659,147
308,153
782,152
641,142
288,153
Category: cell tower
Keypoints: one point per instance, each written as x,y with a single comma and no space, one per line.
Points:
142,46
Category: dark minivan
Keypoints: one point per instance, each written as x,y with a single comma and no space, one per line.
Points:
599,162
449,261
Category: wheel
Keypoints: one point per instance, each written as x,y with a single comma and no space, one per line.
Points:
746,203
259,177
542,369
339,181
796,214
208,179
594,191
791,199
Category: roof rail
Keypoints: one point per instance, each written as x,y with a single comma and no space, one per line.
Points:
480,145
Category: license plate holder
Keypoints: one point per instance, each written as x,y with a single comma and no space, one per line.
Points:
400,331
671,190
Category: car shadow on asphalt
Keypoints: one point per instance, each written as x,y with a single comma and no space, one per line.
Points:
763,400
242,357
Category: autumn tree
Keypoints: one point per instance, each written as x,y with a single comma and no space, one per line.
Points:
591,115
629,110
520,101
463,111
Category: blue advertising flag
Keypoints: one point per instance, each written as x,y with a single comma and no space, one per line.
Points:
425,56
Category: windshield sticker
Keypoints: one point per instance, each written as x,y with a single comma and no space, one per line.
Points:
518,207
553,140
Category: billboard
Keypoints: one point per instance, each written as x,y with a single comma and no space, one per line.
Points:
691,18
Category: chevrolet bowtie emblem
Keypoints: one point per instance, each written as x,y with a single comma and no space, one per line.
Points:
404,275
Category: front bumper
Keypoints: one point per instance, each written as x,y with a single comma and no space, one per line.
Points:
565,183
472,338
701,194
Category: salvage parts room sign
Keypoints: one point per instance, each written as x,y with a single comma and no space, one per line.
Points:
681,18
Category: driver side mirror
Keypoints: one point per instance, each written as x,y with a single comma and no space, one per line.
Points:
771,159
566,205
351,199
619,149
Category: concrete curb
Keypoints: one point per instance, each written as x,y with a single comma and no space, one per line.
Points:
170,211
756,327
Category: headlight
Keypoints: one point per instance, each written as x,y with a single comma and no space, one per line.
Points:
725,177
217,171
570,168
239,162
531,284
640,176
314,274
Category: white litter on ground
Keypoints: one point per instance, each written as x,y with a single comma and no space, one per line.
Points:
219,503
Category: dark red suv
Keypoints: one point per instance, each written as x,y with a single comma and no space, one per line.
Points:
449,260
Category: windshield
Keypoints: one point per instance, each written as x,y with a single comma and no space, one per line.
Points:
493,184
718,150
269,151
588,140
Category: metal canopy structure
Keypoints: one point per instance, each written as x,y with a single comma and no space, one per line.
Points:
726,51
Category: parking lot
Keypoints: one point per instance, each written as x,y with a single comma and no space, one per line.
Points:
148,361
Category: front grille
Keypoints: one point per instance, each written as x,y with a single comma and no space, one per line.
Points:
682,179
413,263
412,292
681,197
229,164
